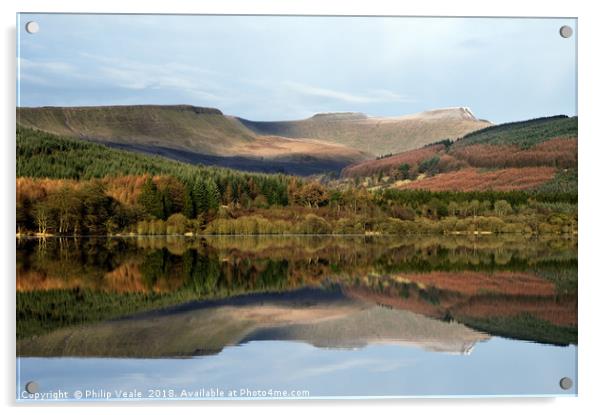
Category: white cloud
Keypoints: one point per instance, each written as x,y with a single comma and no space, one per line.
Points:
372,96
44,65
139,75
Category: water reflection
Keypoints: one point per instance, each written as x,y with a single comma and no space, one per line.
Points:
323,318
150,297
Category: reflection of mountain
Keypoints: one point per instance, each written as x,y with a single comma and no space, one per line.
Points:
376,324
324,318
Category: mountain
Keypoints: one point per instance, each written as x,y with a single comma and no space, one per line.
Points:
539,153
323,143
204,130
376,135
191,134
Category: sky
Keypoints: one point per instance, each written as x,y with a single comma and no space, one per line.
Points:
282,68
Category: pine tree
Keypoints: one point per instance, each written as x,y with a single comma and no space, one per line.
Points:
213,195
199,196
167,203
151,200
188,208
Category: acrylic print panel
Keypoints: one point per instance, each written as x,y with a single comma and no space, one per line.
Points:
243,207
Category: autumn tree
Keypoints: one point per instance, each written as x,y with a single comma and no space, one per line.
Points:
41,214
311,194
66,205
502,208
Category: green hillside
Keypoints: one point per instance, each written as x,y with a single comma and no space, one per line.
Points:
44,155
523,133
41,154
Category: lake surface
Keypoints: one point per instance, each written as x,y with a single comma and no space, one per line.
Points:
282,317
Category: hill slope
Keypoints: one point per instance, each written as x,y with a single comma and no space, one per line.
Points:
45,155
376,135
520,155
191,134
205,130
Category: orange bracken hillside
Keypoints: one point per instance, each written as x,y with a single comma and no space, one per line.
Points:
516,156
412,157
473,179
558,152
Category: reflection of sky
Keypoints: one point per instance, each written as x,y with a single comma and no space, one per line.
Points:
270,68
495,367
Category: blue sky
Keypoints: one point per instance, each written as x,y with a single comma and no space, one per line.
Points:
276,68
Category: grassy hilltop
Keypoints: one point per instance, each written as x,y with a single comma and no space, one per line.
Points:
377,135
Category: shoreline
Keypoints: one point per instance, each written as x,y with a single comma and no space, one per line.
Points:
204,235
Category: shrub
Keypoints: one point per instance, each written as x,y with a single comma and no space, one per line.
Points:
402,212
156,227
142,228
176,224
313,224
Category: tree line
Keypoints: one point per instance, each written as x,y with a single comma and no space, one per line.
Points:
71,187
159,205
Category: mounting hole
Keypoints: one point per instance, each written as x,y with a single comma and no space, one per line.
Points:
566,31
32,387
566,383
32,27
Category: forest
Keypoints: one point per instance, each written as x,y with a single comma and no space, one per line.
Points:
71,187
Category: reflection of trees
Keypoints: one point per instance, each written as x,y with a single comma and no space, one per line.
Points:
472,280
222,264
204,272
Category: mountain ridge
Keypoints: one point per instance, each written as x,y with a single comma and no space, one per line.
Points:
376,135
323,143
191,134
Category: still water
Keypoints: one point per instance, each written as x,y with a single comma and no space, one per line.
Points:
265,317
